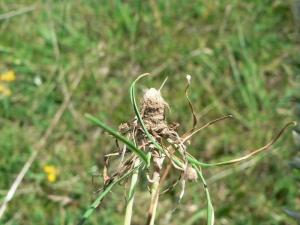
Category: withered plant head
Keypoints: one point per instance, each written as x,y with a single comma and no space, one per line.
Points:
153,112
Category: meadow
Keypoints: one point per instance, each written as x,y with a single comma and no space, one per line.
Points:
62,59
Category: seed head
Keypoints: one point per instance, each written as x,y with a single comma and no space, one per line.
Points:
190,174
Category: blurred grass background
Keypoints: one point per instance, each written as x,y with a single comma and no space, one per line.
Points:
76,57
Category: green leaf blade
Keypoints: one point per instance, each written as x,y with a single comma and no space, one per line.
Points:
128,143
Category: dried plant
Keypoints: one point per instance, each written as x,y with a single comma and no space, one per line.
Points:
143,141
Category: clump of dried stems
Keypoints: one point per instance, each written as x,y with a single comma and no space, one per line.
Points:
149,131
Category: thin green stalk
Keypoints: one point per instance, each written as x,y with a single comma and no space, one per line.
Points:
154,200
134,179
210,210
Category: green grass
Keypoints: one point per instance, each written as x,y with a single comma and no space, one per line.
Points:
244,60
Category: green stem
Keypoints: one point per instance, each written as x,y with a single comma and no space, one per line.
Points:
154,200
134,179
210,210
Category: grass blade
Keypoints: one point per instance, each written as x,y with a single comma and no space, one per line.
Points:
210,210
133,101
246,156
129,144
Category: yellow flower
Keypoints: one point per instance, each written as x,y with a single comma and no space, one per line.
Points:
51,177
1,88
51,171
9,76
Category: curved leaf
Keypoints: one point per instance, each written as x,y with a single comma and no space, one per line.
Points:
210,209
128,143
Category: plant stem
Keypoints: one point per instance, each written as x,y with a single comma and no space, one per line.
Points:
131,194
154,200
